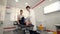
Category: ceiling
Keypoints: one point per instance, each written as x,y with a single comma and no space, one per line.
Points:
2,2
21,3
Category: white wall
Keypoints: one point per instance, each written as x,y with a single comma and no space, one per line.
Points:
2,10
49,20
2,14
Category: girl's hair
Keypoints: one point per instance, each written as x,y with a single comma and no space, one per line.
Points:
21,10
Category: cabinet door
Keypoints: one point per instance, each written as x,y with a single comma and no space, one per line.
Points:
1,22
1,27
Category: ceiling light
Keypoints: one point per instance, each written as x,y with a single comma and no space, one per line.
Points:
16,0
26,3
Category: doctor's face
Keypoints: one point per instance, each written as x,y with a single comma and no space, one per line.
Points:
28,9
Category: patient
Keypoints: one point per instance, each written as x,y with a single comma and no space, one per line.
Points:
22,20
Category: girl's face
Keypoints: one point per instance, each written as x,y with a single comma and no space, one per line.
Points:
21,12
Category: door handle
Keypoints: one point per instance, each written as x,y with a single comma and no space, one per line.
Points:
1,22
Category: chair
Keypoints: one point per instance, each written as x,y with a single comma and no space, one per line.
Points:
24,28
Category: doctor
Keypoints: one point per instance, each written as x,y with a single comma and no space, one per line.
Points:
32,20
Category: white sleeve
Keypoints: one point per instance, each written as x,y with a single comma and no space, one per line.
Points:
33,20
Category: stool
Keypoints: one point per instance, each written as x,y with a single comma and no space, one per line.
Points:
50,33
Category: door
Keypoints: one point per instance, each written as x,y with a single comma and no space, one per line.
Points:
1,22
7,18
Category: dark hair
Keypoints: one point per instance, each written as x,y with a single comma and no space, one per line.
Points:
21,10
27,7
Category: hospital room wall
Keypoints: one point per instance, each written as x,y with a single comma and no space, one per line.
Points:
2,9
48,20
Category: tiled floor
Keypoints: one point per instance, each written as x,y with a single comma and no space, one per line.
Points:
18,32
14,32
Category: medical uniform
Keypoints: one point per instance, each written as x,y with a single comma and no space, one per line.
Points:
32,19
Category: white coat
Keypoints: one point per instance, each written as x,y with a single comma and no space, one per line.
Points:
33,19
